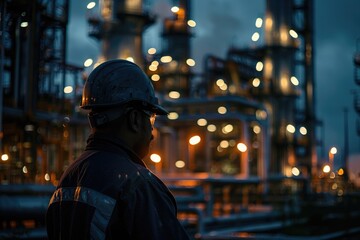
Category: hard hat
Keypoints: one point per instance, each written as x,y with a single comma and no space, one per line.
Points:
118,82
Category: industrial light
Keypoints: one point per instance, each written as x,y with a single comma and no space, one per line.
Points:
24,24
259,66
294,80
68,89
151,51
155,77
293,33
220,82
174,94
222,110
175,9
326,169
255,36
173,115
47,177
91,5
152,68
224,144
303,130
4,157
290,128
155,158
191,23
88,62
333,150
194,140
166,59
256,82
256,129
24,169
224,87
258,22
211,128
295,171
227,129
241,147
201,122
180,164
190,62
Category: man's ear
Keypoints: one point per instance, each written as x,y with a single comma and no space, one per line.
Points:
134,120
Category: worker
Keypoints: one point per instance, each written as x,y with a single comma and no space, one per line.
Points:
108,192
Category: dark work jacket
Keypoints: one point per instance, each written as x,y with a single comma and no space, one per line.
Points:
108,193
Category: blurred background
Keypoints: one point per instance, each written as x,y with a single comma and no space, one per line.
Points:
262,138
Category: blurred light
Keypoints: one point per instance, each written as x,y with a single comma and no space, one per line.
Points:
152,67
194,140
47,177
4,157
166,59
334,186
180,164
24,24
326,169
155,63
29,128
259,66
333,150
241,147
174,94
88,62
155,77
68,89
303,130
191,23
261,114
220,82
173,115
151,51
341,172
130,59
222,110
295,171
224,144
175,9
340,192
91,5
255,36
24,169
201,122
256,129
258,22
211,128
224,87
332,175
228,128
290,128
256,82
293,33
294,81
155,158
190,62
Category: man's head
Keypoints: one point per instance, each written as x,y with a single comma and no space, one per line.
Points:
122,100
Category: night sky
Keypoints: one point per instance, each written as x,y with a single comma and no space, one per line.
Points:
225,23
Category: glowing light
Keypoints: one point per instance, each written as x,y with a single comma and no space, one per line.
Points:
190,62
155,63
290,128
295,171
166,59
258,22
130,59
332,175
341,172
211,128
88,62
173,115
294,81
151,51
293,33
333,150
228,129
255,36
191,23
256,82
194,140
68,89
201,122
155,77
303,130
4,157
220,82
222,110
179,164
152,68
261,114
155,158
224,144
256,129
91,5
334,186
175,9
259,66
241,147
24,169
174,94
224,87
47,177
24,24
326,169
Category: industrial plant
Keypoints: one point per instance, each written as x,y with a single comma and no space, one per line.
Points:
239,148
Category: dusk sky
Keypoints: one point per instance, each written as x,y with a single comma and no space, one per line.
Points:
225,23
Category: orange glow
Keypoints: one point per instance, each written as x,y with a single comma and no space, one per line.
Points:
341,172
155,158
241,147
194,140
